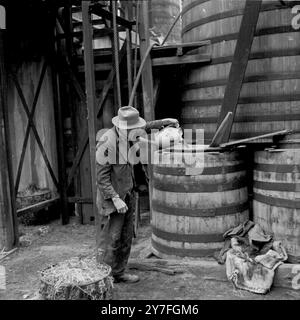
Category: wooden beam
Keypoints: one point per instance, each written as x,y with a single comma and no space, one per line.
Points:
8,220
217,138
68,27
99,11
97,33
116,52
90,97
147,81
39,206
240,62
62,181
263,136
129,16
175,61
173,49
95,22
147,78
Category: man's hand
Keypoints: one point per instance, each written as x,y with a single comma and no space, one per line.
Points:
171,121
119,204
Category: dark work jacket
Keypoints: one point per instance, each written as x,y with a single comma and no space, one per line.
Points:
115,179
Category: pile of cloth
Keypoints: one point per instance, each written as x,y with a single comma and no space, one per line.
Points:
251,257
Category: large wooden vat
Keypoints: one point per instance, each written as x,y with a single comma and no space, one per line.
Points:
162,15
191,211
276,205
270,95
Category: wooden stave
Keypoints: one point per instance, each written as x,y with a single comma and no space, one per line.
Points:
210,116
277,210
238,212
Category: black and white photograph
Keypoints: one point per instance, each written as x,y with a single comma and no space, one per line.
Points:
149,152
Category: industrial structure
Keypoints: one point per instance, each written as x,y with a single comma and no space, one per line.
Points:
68,65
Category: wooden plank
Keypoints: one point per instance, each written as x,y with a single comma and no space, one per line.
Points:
8,224
240,62
173,61
91,98
243,141
220,132
40,205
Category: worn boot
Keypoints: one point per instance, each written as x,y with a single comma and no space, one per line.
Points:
126,277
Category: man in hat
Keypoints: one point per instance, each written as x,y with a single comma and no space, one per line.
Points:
115,192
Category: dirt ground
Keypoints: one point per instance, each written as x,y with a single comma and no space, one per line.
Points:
62,242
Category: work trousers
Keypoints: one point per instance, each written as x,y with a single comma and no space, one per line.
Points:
115,237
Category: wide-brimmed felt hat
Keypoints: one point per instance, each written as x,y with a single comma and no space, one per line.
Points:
128,118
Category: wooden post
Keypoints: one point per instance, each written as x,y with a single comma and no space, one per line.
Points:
129,16
90,97
115,49
147,80
62,183
8,220
239,63
68,28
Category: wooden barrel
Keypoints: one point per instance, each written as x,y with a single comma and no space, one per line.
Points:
192,210
276,204
162,14
269,99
